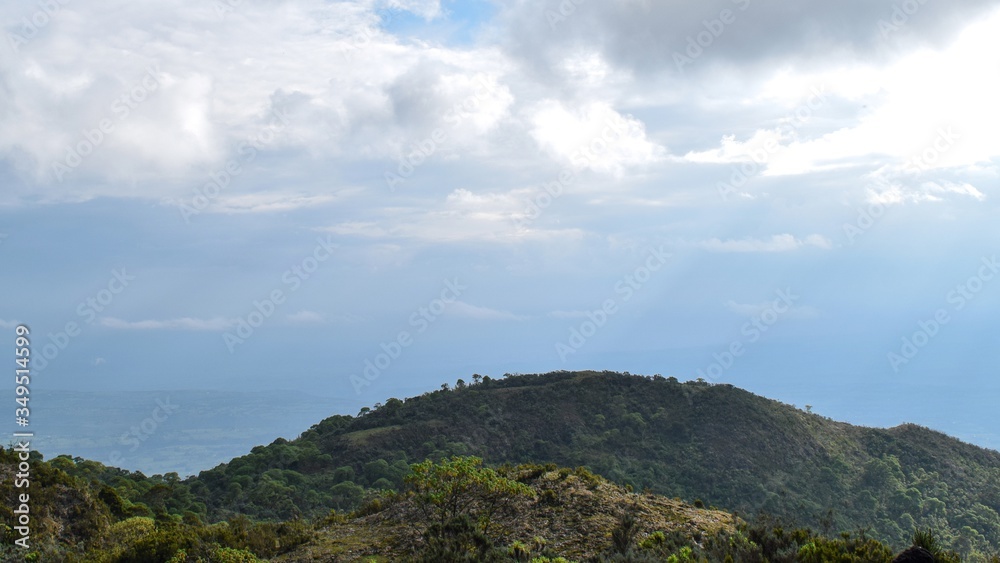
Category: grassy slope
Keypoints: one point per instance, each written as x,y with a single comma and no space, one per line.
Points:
575,519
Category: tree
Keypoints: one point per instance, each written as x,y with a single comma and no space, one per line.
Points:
925,539
459,487
624,535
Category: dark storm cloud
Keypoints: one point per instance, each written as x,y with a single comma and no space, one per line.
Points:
653,37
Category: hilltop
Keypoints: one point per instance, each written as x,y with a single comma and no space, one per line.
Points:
708,445
717,444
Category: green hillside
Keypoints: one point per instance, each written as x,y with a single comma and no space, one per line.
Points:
714,443
452,511
348,482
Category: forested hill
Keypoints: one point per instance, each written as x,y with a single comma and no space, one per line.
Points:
716,444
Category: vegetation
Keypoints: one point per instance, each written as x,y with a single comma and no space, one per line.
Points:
400,478
722,445
98,514
457,510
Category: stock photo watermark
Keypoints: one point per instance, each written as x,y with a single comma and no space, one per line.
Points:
698,43
422,150
137,434
865,220
246,152
391,350
385,16
86,310
91,139
563,11
31,26
264,309
626,287
867,217
759,157
944,140
225,7
751,332
958,298
901,14
615,129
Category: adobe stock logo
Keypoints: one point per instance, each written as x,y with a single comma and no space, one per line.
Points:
927,329
122,107
714,28
32,26
139,433
752,330
264,309
421,319
626,287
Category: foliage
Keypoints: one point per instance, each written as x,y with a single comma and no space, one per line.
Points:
693,440
717,443
84,511
459,488
927,540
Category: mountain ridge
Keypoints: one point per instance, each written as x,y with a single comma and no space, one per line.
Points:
694,440
714,446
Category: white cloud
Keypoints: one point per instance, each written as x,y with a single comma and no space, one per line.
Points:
310,77
593,136
427,9
462,216
185,323
777,243
358,228
568,314
955,188
306,317
463,309
757,148
934,109
895,193
753,310
8,324
269,202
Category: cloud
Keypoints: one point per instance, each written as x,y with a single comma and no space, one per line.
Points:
568,314
931,111
462,309
648,37
306,317
100,361
8,324
427,9
928,192
777,243
185,323
955,188
303,97
459,217
753,310
265,202
592,137
308,79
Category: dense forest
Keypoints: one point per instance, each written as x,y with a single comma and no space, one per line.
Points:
783,484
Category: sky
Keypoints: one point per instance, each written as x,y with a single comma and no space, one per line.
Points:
358,200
